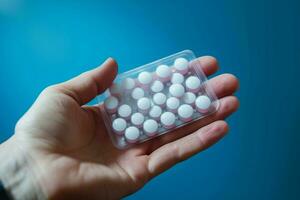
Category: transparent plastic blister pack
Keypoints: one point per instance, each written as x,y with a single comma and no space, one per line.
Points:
156,98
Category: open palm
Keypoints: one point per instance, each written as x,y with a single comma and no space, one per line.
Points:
73,156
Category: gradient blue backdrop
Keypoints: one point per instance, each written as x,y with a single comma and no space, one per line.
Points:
44,42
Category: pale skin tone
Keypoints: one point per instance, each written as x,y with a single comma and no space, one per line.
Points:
71,151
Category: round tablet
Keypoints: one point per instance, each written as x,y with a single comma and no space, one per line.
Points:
203,103
168,120
137,93
115,89
163,73
119,125
177,78
159,99
132,134
124,111
145,78
176,90
172,104
157,86
155,112
181,65
143,104
128,83
111,104
137,119
185,112
150,127
192,84
189,98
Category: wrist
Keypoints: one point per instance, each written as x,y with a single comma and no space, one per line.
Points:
17,171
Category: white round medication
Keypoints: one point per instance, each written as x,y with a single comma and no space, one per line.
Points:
115,89
119,125
159,99
137,119
132,134
155,112
163,73
185,112
150,127
192,84
124,111
111,104
177,78
145,78
157,86
203,103
128,83
172,104
176,90
137,93
144,104
168,120
181,65
189,98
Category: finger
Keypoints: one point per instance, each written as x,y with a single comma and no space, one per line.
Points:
88,85
228,105
208,64
224,85
179,150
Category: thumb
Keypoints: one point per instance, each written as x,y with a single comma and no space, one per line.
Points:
88,85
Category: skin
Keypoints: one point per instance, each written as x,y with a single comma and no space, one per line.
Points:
72,156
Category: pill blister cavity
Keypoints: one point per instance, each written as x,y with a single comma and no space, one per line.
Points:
203,103
124,111
128,84
157,86
181,65
145,78
111,104
132,134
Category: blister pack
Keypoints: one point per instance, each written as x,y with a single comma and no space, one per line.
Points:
156,98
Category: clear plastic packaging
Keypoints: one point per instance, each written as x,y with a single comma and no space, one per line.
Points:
156,98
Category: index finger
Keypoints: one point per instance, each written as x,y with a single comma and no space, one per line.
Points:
208,64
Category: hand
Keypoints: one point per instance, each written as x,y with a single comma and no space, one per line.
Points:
70,155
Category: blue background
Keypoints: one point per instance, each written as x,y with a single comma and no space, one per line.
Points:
44,42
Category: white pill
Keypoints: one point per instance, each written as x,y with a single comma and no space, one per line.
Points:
128,83
168,120
124,111
192,84
185,112
157,86
144,104
137,119
145,78
150,127
155,112
137,93
189,98
203,103
177,78
115,89
119,125
181,65
111,104
172,104
176,90
163,73
159,99
132,134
